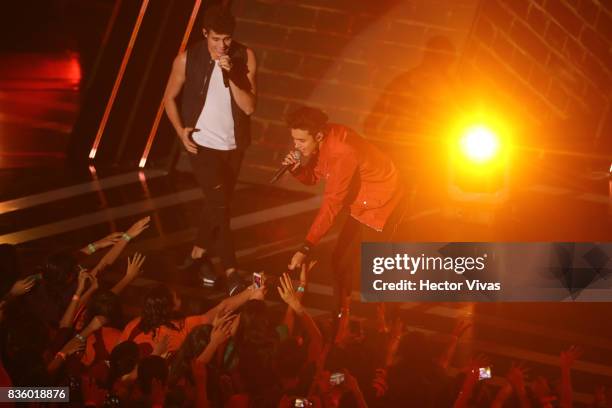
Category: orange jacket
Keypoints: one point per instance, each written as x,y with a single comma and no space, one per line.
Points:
357,175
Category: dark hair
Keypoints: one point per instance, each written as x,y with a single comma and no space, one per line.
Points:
23,344
123,359
193,345
9,268
60,268
290,358
59,272
256,345
150,368
105,303
158,310
219,19
255,325
306,118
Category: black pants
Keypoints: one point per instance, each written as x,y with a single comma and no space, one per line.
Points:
217,171
346,257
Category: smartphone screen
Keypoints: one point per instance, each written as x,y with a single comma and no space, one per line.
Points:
484,373
301,403
257,280
336,378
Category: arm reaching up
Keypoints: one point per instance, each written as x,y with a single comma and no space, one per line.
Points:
290,296
134,268
111,256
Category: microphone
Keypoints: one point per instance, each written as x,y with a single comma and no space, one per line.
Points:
225,77
283,169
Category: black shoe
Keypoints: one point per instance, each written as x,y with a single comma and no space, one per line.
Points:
235,284
206,272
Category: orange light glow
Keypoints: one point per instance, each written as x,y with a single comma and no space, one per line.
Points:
479,143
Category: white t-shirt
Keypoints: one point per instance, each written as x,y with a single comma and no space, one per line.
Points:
216,122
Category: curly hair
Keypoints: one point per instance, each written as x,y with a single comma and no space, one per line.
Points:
193,345
158,310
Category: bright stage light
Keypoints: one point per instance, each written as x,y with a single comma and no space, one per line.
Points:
479,143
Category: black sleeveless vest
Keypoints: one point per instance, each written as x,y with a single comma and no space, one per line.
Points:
198,69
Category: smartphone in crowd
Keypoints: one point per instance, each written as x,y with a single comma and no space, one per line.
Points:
301,403
484,373
258,279
336,378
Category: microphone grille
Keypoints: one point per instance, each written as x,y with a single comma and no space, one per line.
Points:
298,154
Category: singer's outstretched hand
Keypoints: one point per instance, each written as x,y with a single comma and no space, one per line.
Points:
297,260
292,159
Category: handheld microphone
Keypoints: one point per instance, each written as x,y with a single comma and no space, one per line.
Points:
225,77
283,169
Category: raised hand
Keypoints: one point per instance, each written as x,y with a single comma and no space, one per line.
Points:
222,331
84,276
569,356
287,293
109,240
297,260
260,292
222,316
380,382
134,267
516,377
93,281
139,226
472,368
73,346
22,286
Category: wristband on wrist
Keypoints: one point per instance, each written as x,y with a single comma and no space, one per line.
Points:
300,289
61,355
91,248
306,248
126,237
81,338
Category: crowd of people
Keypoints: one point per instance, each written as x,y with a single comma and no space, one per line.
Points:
62,326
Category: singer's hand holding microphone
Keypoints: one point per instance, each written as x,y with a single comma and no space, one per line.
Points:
225,62
290,162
